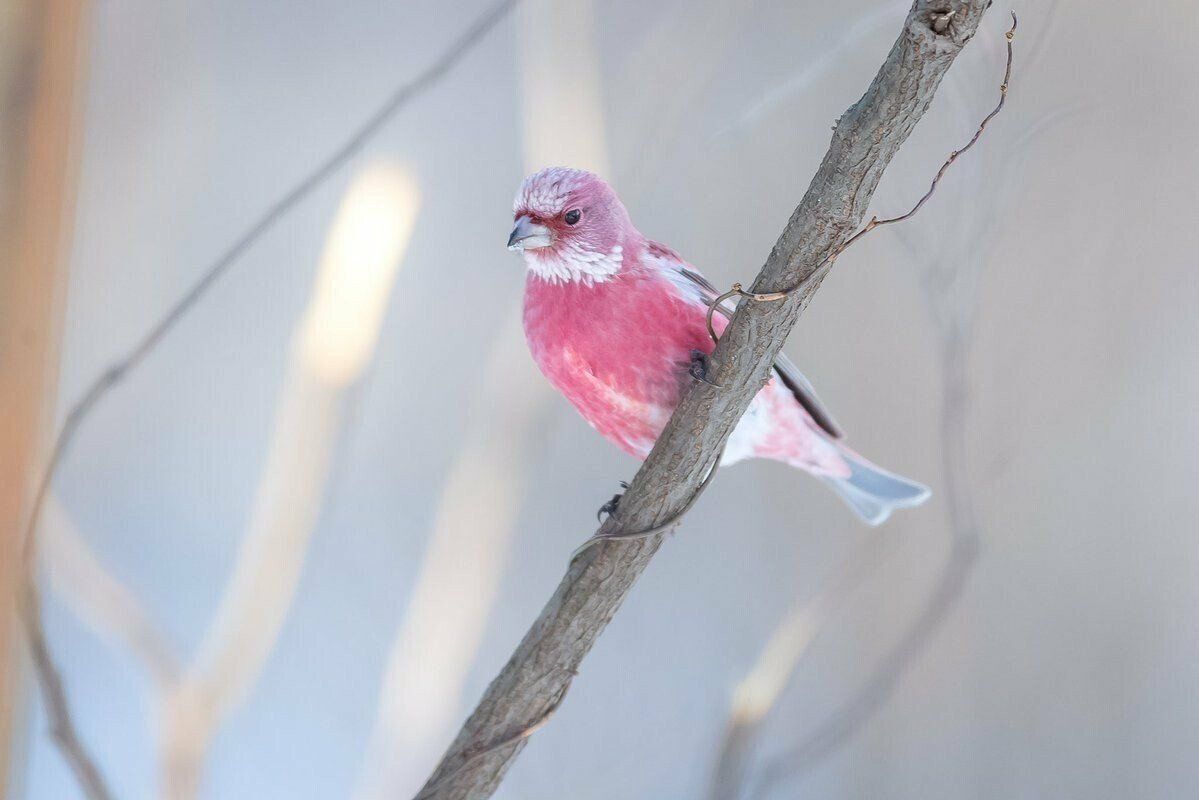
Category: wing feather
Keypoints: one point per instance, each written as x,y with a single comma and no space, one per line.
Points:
695,283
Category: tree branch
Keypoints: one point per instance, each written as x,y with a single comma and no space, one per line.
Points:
757,694
866,138
95,596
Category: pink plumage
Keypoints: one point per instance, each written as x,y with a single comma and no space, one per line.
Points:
613,320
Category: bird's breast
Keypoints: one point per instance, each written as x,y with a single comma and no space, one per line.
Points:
615,353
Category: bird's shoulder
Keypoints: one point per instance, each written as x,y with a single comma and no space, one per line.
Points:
688,281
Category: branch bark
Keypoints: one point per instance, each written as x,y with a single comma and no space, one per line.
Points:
538,675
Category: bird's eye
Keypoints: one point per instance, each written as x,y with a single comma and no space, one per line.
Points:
572,216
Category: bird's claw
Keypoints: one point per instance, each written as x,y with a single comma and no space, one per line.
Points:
699,368
610,507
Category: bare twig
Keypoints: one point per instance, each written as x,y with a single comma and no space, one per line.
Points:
759,692
847,720
940,23
54,696
534,680
660,528
453,594
982,126
79,411
95,595
260,590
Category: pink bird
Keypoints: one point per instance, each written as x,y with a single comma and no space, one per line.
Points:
617,323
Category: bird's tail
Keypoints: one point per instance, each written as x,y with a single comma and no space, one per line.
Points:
873,492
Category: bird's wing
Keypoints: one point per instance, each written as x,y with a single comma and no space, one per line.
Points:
689,279
804,392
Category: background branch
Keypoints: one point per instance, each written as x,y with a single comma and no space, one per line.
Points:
865,140
334,342
954,316
453,594
42,58
79,578
952,280
67,15
759,692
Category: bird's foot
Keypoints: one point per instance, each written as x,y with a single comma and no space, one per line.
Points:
699,367
610,507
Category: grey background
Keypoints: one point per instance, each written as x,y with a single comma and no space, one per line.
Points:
1057,261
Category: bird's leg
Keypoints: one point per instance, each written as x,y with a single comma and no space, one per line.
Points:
610,507
699,367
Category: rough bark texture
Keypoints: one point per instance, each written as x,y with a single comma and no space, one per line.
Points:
866,137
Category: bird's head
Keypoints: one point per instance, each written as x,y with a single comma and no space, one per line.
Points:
570,226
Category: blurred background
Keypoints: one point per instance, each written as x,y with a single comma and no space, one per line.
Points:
285,556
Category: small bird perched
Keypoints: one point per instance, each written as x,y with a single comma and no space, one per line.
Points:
618,324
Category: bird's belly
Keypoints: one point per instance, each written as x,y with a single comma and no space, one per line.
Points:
629,403
776,427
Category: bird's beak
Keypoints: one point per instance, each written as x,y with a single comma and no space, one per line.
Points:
528,235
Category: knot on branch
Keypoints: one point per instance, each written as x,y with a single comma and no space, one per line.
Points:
947,25
939,21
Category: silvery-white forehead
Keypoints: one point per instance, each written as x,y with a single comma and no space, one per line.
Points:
545,193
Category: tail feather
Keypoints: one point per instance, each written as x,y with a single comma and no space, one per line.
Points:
873,492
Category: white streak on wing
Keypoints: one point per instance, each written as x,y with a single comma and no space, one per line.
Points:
687,288
755,424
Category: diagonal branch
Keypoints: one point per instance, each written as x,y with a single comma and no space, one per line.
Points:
536,678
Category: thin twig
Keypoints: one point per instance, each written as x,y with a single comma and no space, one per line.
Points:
1003,87
758,693
54,696
838,728
662,528
48,676
819,273
97,597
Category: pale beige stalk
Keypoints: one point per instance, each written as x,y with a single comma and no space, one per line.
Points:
333,344
437,641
